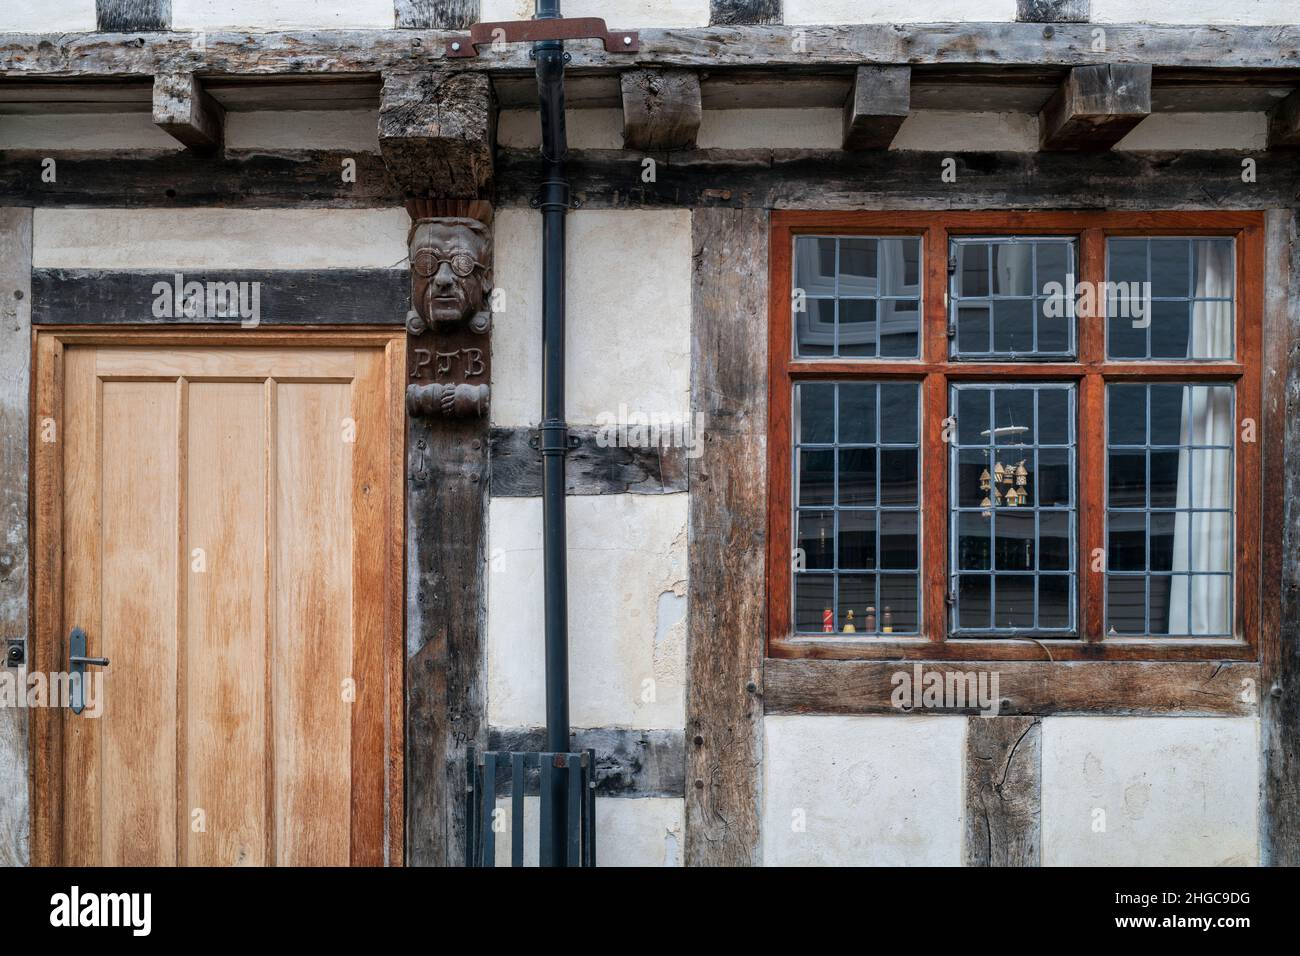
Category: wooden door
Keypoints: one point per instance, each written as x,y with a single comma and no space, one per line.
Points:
229,517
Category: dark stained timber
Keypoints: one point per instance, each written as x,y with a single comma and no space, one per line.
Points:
596,466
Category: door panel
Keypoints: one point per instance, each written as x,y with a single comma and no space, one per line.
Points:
228,515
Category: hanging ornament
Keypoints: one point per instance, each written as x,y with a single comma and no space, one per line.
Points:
984,481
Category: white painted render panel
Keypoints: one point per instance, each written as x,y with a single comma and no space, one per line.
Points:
788,128
863,791
630,831
895,11
627,611
585,129
304,129
1196,11
955,131
618,14
84,131
1150,791
1198,131
628,315
47,16
219,238
266,17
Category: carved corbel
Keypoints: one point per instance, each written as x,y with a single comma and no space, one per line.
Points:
450,251
449,401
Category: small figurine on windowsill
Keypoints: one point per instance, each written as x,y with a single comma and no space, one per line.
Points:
848,623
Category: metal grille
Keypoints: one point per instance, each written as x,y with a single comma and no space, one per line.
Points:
486,771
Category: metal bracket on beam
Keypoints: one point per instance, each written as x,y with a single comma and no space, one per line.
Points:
531,31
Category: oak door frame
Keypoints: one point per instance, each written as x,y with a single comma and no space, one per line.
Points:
46,516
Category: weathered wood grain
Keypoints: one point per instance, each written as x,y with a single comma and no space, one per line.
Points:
1003,791
436,133
1280,680
15,610
1025,688
905,179
1284,122
728,516
1002,44
446,696
1095,107
183,110
129,16
1053,11
661,109
589,469
253,178
876,106
436,14
285,296
739,12
629,763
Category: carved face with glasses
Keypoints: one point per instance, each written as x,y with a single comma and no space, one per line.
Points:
451,274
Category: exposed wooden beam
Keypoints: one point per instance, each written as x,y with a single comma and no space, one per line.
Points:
1053,11
876,106
661,109
132,16
1284,122
436,14
728,525
436,133
1004,791
1026,688
737,12
183,109
629,763
589,469
1221,47
1095,107
284,296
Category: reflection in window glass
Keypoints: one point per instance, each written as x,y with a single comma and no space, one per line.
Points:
1169,298
857,296
857,507
1169,519
1012,298
1013,510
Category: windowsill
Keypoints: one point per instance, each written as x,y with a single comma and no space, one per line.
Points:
921,648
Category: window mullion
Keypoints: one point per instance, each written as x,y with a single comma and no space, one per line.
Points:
1090,435
934,509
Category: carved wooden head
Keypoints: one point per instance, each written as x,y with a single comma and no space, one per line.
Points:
451,268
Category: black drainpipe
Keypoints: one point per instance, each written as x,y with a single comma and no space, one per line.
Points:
554,203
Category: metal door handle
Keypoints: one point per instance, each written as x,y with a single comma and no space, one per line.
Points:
77,664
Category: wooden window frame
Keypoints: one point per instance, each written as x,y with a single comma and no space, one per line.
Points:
1090,372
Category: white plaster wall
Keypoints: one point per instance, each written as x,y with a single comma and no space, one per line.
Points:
282,14
585,129
1196,11
1198,131
630,831
896,11
304,129
219,238
869,791
956,131
47,16
84,131
775,128
1171,791
627,611
628,315
618,14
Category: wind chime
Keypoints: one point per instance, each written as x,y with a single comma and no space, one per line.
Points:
1007,485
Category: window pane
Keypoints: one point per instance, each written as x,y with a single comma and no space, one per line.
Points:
1012,507
857,507
1170,298
857,296
1170,511
1012,298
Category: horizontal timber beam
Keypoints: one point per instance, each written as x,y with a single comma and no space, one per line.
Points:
595,466
436,132
629,763
876,106
278,296
750,47
904,179
1096,107
189,115
661,109
252,178
1025,688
